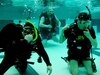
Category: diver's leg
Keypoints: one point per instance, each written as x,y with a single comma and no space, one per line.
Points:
21,66
88,66
73,64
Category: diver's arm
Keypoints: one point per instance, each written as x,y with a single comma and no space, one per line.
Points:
58,22
41,24
93,41
62,36
41,51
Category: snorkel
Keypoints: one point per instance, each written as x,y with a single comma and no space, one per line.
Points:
89,12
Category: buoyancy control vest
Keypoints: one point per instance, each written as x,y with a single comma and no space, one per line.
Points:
76,38
48,21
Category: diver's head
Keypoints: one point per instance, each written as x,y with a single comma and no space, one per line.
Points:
20,27
84,16
50,11
28,28
84,20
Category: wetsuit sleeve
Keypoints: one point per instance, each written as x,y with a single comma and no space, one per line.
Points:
66,33
41,51
92,32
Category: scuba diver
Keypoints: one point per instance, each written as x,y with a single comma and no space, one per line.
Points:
80,39
49,26
15,48
31,34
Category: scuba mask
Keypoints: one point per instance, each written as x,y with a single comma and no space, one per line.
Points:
28,30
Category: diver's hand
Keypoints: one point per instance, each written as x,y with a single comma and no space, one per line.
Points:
87,33
65,27
28,37
49,26
49,70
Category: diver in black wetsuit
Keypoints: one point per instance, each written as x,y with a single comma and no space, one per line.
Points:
31,34
15,48
80,39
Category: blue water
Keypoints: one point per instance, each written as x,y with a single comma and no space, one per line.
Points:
55,50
